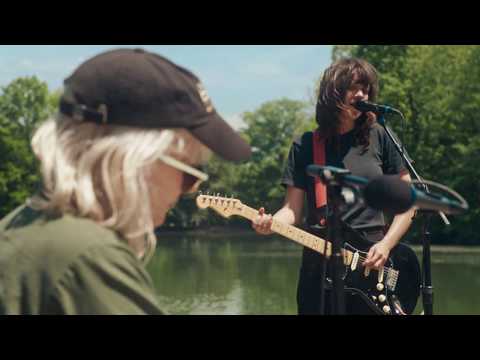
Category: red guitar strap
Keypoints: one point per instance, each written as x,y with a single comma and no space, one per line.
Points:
319,158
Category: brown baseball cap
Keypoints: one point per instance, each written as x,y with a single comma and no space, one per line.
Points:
134,87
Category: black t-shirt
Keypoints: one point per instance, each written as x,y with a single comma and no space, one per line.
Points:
380,158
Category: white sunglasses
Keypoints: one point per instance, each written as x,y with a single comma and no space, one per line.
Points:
192,177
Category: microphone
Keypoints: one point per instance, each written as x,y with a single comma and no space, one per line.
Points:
391,193
333,175
366,106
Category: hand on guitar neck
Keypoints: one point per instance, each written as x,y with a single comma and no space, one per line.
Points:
262,224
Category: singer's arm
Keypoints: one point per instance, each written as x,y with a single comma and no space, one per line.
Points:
378,254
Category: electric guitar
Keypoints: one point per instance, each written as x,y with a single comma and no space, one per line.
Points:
393,290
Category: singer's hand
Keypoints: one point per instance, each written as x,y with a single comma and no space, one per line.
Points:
263,223
377,256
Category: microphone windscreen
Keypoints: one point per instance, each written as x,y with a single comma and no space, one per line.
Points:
389,193
364,106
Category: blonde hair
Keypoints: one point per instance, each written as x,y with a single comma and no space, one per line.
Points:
98,172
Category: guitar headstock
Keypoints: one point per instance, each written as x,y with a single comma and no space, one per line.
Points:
223,205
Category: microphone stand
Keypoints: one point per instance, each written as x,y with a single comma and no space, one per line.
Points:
341,198
427,288
335,235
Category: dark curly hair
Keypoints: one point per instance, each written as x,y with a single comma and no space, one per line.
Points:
336,81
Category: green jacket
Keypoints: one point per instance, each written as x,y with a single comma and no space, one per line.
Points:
69,265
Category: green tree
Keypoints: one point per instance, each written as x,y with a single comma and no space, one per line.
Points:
24,103
270,131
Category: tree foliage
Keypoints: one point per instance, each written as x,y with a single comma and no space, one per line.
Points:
24,103
270,130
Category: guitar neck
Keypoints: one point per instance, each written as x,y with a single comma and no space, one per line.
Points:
313,242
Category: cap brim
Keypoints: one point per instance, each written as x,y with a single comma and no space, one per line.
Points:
220,137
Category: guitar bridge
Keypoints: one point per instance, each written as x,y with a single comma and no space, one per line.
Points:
392,278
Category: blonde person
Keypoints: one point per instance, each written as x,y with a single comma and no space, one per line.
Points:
131,129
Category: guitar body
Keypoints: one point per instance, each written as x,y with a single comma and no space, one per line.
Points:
364,295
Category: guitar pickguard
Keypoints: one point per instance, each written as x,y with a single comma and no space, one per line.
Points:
379,291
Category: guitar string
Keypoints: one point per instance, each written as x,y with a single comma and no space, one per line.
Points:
392,273
389,271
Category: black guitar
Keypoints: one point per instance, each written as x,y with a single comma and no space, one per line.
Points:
395,290
392,291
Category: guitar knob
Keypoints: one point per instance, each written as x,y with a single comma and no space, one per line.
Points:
374,298
382,298
386,309
380,287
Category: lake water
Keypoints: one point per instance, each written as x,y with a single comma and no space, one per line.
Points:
249,274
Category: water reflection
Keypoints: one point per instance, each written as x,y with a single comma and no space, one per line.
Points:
248,274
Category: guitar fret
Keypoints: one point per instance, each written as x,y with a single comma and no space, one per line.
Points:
309,240
302,237
229,207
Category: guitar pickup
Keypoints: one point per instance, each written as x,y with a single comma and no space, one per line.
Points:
380,275
354,264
